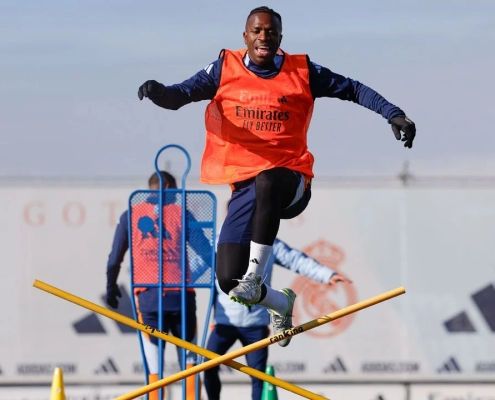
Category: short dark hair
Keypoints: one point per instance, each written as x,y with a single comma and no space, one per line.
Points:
265,9
166,178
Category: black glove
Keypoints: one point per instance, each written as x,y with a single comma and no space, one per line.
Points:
113,292
404,124
151,89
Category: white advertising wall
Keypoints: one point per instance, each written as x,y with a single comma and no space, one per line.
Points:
243,391
437,243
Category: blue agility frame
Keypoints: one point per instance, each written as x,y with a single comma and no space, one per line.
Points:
186,226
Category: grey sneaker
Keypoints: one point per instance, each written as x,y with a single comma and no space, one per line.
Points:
248,291
281,323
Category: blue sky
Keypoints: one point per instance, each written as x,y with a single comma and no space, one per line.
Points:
70,71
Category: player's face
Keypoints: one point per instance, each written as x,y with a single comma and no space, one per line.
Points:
263,36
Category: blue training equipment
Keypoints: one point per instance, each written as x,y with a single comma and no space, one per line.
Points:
199,219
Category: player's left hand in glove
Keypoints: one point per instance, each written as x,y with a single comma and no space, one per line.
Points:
113,292
404,124
151,89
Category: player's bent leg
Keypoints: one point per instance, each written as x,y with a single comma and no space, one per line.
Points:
276,190
281,302
279,186
234,243
231,264
300,201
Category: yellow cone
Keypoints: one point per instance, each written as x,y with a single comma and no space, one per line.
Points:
58,392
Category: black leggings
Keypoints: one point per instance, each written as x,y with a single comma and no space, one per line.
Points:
275,190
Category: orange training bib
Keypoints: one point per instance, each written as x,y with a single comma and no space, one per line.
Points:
254,124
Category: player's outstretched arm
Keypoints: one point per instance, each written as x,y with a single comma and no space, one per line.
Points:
326,83
201,86
300,263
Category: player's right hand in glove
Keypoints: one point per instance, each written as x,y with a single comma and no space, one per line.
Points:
151,89
113,292
404,124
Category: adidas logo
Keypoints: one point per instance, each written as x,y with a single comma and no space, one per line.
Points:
484,300
450,365
91,323
168,368
485,367
282,100
107,367
138,368
254,261
336,366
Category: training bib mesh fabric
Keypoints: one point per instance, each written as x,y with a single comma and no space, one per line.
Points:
197,227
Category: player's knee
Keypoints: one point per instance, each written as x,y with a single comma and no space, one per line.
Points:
231,263
266,181
226,283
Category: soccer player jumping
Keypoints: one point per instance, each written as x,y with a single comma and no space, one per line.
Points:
261,104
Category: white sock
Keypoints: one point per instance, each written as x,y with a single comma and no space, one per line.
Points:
258,257
275,300
151,354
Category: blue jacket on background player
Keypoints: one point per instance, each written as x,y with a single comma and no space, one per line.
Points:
234,321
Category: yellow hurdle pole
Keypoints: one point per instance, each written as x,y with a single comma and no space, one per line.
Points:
264,343
174,340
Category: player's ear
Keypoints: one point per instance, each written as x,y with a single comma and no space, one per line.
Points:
244,35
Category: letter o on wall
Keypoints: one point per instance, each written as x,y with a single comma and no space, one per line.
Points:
74,214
